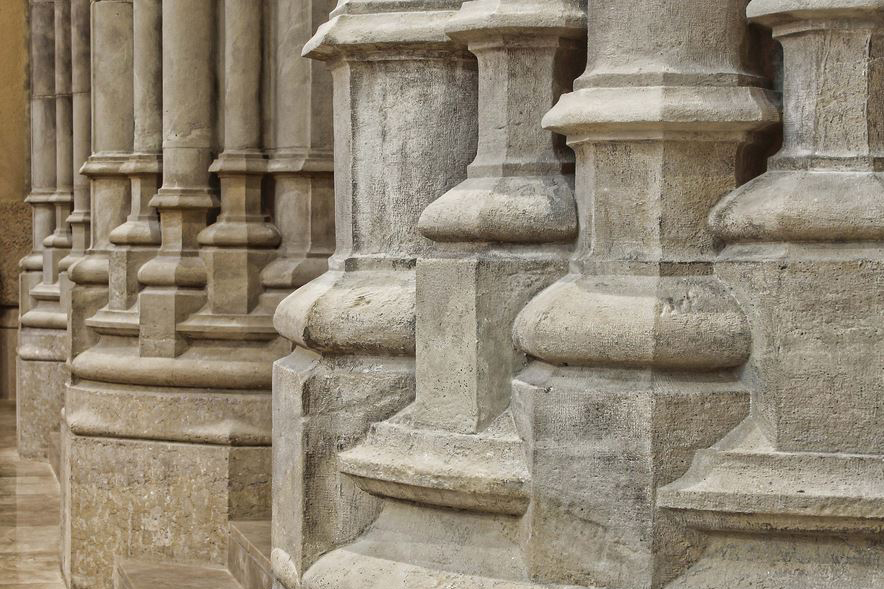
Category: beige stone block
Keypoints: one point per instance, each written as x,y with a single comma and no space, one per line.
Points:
157,500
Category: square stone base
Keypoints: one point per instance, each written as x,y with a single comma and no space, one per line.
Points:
40,397
155,500
601,441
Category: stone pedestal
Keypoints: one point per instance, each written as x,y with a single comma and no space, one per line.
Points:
404,133
635,354
794,496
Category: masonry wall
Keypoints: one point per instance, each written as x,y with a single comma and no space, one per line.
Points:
15,215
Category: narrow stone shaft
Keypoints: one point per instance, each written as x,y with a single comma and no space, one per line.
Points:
137,239
111,133
59,243
300,163
239,245
81,85
40,373
176,276
43,172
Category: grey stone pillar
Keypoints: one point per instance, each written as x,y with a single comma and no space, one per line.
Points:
241,242
405,124
81,85
300,166
112,96
634,354
451,467
170,421
136,241
793,496
176,277
59,243
81,102
41,348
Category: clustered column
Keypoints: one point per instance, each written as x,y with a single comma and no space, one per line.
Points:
171,369
300,165
405,119
635,353
792,497
43,344
450,468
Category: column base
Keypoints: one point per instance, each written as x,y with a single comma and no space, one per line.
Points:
323,405
601,441
781,520
41,379
160,500
420,547
786,562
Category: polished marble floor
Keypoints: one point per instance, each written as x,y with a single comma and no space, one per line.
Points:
29,507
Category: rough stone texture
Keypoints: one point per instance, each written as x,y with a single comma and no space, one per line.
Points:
505,325
797,486
42,375
15,215
8,351
164,501
15,241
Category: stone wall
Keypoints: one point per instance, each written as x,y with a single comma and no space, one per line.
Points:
15,216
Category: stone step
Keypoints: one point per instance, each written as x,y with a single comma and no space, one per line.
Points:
134,574
53,453
248,556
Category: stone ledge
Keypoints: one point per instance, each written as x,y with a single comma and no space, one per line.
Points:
485,472
744,484
130,574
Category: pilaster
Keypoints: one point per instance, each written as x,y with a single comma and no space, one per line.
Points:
792,497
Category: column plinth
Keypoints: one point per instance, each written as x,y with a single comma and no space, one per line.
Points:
797,487
641,339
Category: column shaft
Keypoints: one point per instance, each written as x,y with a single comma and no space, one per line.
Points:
176,277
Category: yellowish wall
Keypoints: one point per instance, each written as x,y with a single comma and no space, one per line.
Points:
15,217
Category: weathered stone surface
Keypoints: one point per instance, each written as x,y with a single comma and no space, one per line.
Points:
159,500
488,321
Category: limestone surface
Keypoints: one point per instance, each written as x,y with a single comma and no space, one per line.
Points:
422,294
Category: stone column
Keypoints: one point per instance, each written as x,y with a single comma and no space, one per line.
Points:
635,352
176,277
41,352
405,124
59,243
793,496
241,242
172,423
451,467
136,241
81,100
300,165
112,96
